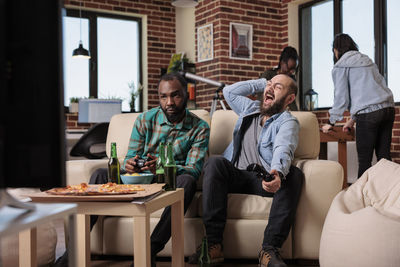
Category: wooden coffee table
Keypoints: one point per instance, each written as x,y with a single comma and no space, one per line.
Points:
141,227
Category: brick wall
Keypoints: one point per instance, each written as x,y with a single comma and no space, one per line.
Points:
71,121
270,34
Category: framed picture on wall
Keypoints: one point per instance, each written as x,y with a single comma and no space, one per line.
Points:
205,49
240,41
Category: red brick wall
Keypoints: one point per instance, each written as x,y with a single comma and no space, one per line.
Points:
323,117
71,122
160,32
270,34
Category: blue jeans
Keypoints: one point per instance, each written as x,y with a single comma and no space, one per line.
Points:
221,177
373,131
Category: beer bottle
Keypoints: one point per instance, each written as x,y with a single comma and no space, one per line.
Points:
113,166
160,163
170,169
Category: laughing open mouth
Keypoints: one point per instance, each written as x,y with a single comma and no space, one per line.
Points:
269,98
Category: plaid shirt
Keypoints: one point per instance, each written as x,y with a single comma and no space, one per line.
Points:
189,139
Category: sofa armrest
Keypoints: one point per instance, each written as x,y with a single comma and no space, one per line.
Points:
323,180
79,171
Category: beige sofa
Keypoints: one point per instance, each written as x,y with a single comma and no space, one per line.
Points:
247,214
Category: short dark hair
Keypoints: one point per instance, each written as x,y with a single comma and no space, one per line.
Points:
344,43
287,53
175,76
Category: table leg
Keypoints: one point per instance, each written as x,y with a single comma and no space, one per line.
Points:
342,158
82,240
27,248
141,241
72,236
177,232
323,151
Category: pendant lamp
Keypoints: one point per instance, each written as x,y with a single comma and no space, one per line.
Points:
80,51
185,3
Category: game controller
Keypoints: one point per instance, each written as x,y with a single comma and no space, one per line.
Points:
140,162
260,172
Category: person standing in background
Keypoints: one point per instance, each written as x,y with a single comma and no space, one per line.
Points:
361,89
288,64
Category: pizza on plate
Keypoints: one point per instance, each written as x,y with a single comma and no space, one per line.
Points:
84,189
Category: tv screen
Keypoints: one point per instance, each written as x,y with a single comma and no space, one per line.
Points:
32,128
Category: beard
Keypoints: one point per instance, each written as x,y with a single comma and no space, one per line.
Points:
177,114
273,109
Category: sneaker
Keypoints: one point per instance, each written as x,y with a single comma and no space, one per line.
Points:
215,255
270,257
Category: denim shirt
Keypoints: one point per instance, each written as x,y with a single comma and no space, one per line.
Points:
280,134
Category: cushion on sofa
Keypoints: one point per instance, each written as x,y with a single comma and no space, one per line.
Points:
223,122
243,206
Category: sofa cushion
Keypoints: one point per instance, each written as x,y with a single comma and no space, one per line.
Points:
223,122
308,147
119,131
243,206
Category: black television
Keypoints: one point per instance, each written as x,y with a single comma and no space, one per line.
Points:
32,127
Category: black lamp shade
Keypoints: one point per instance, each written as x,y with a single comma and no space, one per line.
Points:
81,52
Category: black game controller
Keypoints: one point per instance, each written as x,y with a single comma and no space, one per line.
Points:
261,172
140,162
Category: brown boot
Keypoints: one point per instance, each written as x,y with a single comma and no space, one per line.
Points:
214,252
270,257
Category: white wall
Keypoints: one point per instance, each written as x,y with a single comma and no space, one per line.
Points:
185,32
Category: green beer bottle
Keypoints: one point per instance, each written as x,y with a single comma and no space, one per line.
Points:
113,166
160,164
170,169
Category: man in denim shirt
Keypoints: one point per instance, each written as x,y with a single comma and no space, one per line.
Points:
267,135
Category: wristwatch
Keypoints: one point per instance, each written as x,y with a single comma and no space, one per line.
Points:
283,177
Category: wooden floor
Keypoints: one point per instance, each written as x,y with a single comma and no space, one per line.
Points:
161,262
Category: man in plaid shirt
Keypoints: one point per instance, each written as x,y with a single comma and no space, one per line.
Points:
170,122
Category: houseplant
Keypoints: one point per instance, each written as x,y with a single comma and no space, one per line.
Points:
74,105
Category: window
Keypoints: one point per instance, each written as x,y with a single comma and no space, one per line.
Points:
316,53
114,44
393,44
367,22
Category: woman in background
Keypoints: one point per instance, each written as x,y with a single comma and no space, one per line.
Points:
361,89
289,65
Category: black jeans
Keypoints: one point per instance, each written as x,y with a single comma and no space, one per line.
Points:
162,231
221,177
373,131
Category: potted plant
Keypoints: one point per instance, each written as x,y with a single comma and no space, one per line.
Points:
135,92
74,105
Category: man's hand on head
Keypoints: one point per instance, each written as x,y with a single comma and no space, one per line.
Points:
274,185
150,164
130,165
